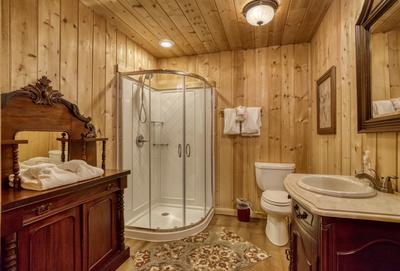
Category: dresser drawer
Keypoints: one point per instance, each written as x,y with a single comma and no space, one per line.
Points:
54,205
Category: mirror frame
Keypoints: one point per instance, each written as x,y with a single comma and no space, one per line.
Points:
371,12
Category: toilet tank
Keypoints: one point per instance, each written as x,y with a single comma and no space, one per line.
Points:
271,175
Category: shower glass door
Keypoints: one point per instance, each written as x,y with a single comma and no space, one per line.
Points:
167,152
195,150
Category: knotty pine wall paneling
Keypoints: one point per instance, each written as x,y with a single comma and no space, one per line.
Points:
334,44
76,48
275,78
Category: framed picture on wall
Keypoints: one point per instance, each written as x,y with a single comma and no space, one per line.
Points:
326,103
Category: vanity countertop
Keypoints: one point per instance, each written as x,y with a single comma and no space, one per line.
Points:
382,207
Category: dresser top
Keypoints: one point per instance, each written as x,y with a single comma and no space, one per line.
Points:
11,199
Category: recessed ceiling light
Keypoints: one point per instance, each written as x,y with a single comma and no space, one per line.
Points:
166,43
260,12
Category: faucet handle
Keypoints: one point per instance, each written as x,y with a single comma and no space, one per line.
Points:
387,184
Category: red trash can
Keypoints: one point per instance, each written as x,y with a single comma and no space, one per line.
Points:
243,208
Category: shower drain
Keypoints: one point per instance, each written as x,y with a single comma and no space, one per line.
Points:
165,214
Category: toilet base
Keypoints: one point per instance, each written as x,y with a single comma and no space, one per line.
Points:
277,229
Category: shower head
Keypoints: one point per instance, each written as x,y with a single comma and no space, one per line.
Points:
148,76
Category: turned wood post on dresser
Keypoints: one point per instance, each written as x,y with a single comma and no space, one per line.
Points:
63,141
10,252
87,140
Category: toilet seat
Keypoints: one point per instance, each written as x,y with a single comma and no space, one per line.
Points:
276,198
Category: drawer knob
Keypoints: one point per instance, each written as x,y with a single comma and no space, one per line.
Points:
109,186
44,208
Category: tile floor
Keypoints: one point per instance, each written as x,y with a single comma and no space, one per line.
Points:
252,231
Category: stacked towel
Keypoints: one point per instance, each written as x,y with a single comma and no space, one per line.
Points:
231,126
252,124
381,108
396,103
40,173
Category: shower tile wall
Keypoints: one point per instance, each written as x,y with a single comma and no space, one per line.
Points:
171,166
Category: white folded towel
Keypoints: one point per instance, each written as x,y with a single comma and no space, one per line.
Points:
396,103
39,174
383,107
231,126
251,126
241,113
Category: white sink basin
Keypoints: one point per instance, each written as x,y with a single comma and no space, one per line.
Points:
336,186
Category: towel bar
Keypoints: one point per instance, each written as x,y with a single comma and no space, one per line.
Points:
221,111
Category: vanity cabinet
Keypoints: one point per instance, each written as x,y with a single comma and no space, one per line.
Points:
340,244
303,251
73,227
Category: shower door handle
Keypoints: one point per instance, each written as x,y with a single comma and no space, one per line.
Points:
179,150
187,150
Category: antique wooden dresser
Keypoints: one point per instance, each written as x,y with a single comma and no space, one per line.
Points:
79,226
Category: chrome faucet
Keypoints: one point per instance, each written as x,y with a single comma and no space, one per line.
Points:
377,182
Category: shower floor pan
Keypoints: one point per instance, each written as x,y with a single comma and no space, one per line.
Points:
167,223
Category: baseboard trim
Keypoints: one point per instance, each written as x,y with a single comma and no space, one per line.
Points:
232,212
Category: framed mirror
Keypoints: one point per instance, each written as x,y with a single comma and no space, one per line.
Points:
378,66
42,145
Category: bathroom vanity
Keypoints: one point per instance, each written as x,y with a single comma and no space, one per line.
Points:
346,234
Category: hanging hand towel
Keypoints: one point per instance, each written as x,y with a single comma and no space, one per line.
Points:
241,113
231,126
252,124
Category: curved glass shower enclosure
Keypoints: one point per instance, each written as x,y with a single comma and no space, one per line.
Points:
166,140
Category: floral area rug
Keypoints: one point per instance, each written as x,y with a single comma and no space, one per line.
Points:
207,251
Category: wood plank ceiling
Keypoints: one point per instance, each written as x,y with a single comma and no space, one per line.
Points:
207,26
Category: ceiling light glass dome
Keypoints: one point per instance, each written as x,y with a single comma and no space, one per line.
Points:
260,12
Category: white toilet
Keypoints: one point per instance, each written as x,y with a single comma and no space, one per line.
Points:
275,200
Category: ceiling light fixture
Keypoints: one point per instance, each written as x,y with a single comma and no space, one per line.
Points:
166,43
260,12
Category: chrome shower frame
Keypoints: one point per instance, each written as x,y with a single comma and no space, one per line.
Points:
207,85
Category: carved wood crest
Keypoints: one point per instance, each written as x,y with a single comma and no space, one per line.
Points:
42,93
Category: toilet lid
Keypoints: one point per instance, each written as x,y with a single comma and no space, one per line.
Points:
275,197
